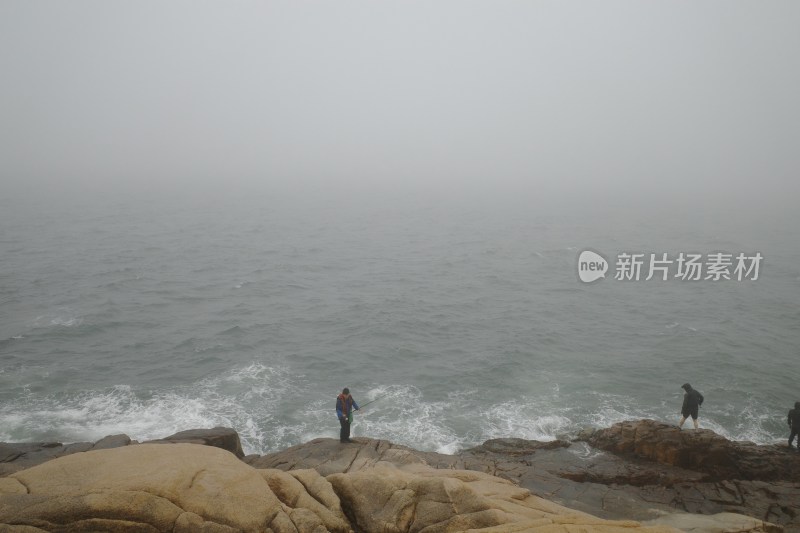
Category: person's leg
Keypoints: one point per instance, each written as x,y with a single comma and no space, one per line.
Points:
347,430
680,424
694,412
794,433
344,433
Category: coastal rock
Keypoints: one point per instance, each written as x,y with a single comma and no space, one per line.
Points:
579,477
717,523
321,485
218,437
184,487
111,441
308,498
329,456
516,447
420,498
8,453
699,450
187,488
18,456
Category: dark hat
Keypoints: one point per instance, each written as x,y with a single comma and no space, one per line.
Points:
345,391
686,387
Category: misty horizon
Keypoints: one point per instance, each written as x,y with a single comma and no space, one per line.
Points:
544,102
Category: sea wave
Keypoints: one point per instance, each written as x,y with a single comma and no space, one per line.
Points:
272,408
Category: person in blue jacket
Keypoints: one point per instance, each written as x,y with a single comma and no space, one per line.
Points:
344,410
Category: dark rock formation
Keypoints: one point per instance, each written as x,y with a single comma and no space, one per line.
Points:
516,447
219,437
18,456
699,450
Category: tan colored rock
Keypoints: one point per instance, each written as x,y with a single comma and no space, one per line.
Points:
180,488
192,523
207,481
716,523
132,507
11,486
319,488
310,499
5,528
188,488
418,498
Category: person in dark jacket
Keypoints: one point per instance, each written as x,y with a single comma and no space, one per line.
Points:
794,424
344,410
692,401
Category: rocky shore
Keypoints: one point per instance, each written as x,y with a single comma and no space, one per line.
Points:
640,475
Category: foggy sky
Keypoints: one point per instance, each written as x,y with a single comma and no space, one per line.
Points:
550,99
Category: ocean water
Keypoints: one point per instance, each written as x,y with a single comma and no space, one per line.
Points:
463,321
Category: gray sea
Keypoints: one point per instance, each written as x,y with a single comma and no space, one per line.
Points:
463,321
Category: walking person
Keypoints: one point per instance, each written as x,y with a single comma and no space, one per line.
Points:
344,410
692,400
794,424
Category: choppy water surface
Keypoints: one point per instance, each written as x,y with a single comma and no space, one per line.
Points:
465,322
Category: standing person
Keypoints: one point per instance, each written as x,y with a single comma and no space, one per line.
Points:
692,401
344,410
794,424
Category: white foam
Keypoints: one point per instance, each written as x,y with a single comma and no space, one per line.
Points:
266,406
64,317
748,423
403,416
251,409
525,419
584,451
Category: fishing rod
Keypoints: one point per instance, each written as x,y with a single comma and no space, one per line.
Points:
350,415
373,401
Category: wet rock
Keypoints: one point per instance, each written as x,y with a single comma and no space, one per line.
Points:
517,447
8,453
584,434
18,456
699,450
111,441
219,437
